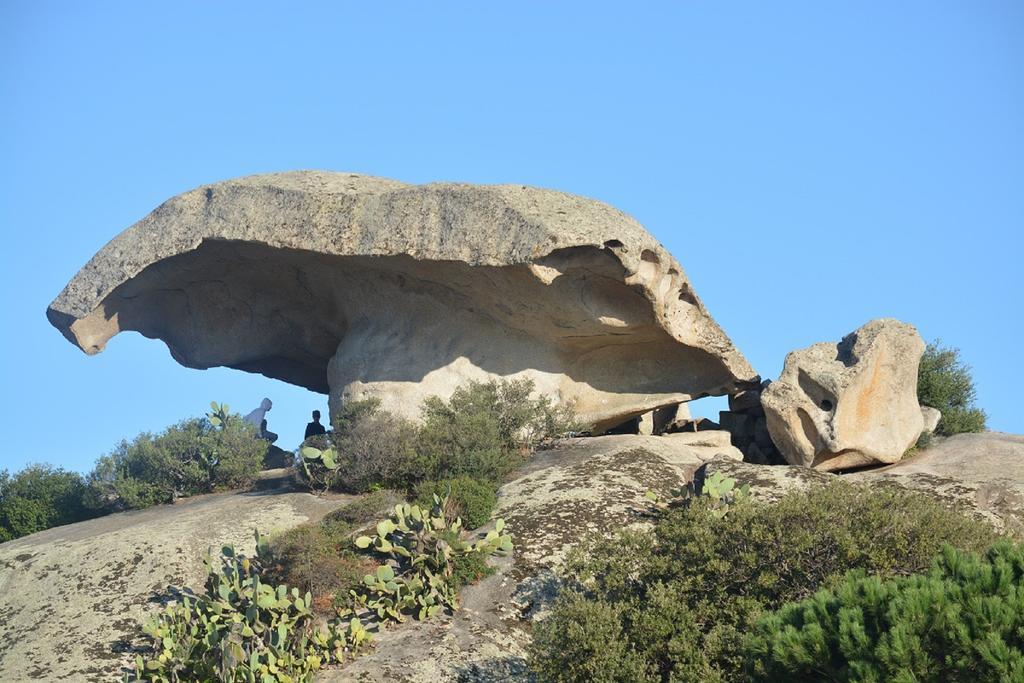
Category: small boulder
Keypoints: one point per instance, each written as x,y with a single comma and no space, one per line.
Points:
931,418
851,404
709,443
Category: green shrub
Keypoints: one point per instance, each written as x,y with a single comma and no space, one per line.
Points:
351,413
188,458
243,629
371,449
317,558
486,429
376,450
39,497
585,640
467,568
945,382
483,432
685,594
963,621
471,499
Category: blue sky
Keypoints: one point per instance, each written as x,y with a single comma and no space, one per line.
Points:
812,165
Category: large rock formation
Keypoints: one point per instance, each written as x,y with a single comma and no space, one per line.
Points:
361,286
850,404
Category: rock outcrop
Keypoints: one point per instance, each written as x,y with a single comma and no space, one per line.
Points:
851,404
72,597
582,486
359,286
746,422
931,417
984,472
981,472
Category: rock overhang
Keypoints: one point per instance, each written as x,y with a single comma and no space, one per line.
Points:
357,286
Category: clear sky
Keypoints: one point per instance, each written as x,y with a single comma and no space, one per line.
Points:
813,165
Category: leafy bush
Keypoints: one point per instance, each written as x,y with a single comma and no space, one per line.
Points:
467,568
486,429
681,597
471,499
378,449
242,629
369,448
483,432
945,382
962,621
317,558
188,458
39,497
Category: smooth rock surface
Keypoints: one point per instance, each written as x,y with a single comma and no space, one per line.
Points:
983,472
851,404
708,443
931,417
362,286
72,598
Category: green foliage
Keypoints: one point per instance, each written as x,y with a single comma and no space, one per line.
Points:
219,415
963,621
188,458
471,499
376,449
352,412
482,432
242,629
467,568
486,429
585,640
317,558
368,449
416,547
945,382
317,468
684,594
39,497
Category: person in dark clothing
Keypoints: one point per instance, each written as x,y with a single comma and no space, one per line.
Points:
314,428
269,436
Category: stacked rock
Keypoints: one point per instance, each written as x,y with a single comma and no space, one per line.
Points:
745,421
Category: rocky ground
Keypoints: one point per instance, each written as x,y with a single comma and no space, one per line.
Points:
71,597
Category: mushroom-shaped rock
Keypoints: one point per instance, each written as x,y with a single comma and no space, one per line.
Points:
850,404
359,286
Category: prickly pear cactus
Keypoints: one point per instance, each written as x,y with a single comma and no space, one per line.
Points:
317,467
418,545
241,629
219,414
722,493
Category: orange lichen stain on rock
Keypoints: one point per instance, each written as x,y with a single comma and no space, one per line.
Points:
868,399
